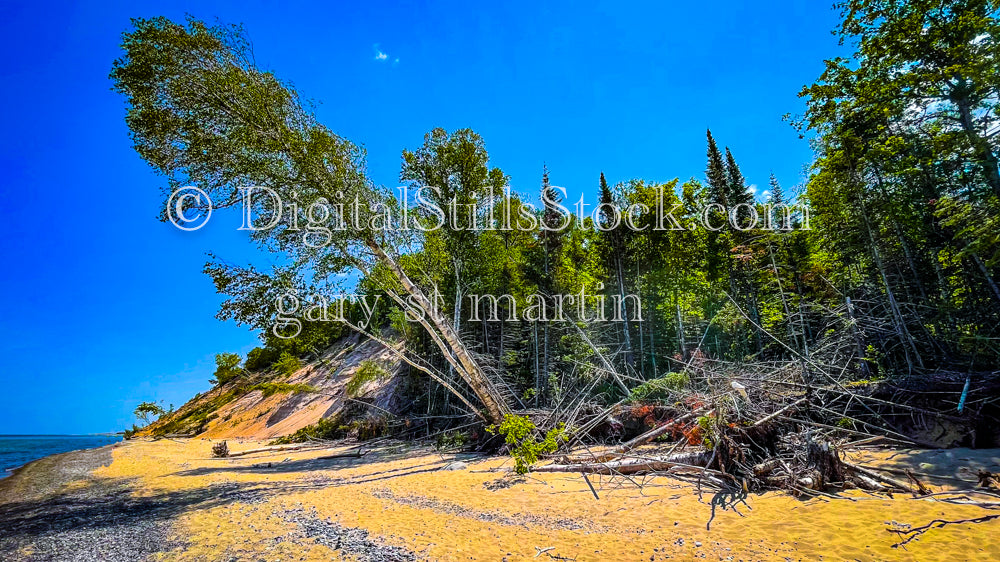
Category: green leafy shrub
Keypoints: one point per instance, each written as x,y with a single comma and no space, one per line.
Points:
325,429
287,364
451,440
148,410
661,388
130,433
195,420
367,371
261,358
520,434
227,368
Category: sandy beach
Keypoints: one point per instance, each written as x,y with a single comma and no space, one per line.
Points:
169,500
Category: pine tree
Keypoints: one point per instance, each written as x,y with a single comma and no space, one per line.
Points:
718,183
776,202
614,244
737,193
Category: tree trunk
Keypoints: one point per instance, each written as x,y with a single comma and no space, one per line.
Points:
623,311
986,273
987,159
680,329
901,330
449,341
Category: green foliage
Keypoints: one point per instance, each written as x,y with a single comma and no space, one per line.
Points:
287,364
325,429
195,419
520,434
451,440
270,388
227,367
369,370
147,410
661,388
130,433
261,358
903,195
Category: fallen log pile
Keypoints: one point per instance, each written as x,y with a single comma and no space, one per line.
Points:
776,430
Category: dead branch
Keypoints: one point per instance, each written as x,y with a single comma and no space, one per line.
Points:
915,532
630,466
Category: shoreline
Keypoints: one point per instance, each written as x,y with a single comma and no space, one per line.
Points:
60,507
9,472
56,469
404,502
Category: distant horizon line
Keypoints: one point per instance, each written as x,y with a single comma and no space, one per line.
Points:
101,434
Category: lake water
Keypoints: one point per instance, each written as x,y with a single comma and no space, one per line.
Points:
16,450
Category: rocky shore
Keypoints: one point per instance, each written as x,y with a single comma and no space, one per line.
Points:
56,509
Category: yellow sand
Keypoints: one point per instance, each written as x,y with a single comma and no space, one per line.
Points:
401,498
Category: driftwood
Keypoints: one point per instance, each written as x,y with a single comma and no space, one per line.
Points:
273,449
637,442
778,413
220,450
909,534
355,455
902,486
631,466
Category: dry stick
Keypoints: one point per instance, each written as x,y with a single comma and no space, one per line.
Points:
861,442
843,429
826,374
917,531
626,466
641,440
402,356
924,490
356,455
778,413
905,438
903,472
272,449
904,486
962,493
591,486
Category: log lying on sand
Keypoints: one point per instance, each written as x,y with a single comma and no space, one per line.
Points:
885,480
631,466
637,442
276,448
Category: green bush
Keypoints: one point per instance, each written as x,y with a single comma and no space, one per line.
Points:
451,440
520,434
130,433
324,429
367,371
261,358
227,368
287,364
661,388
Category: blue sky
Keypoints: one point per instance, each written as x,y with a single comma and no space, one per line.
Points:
105,307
